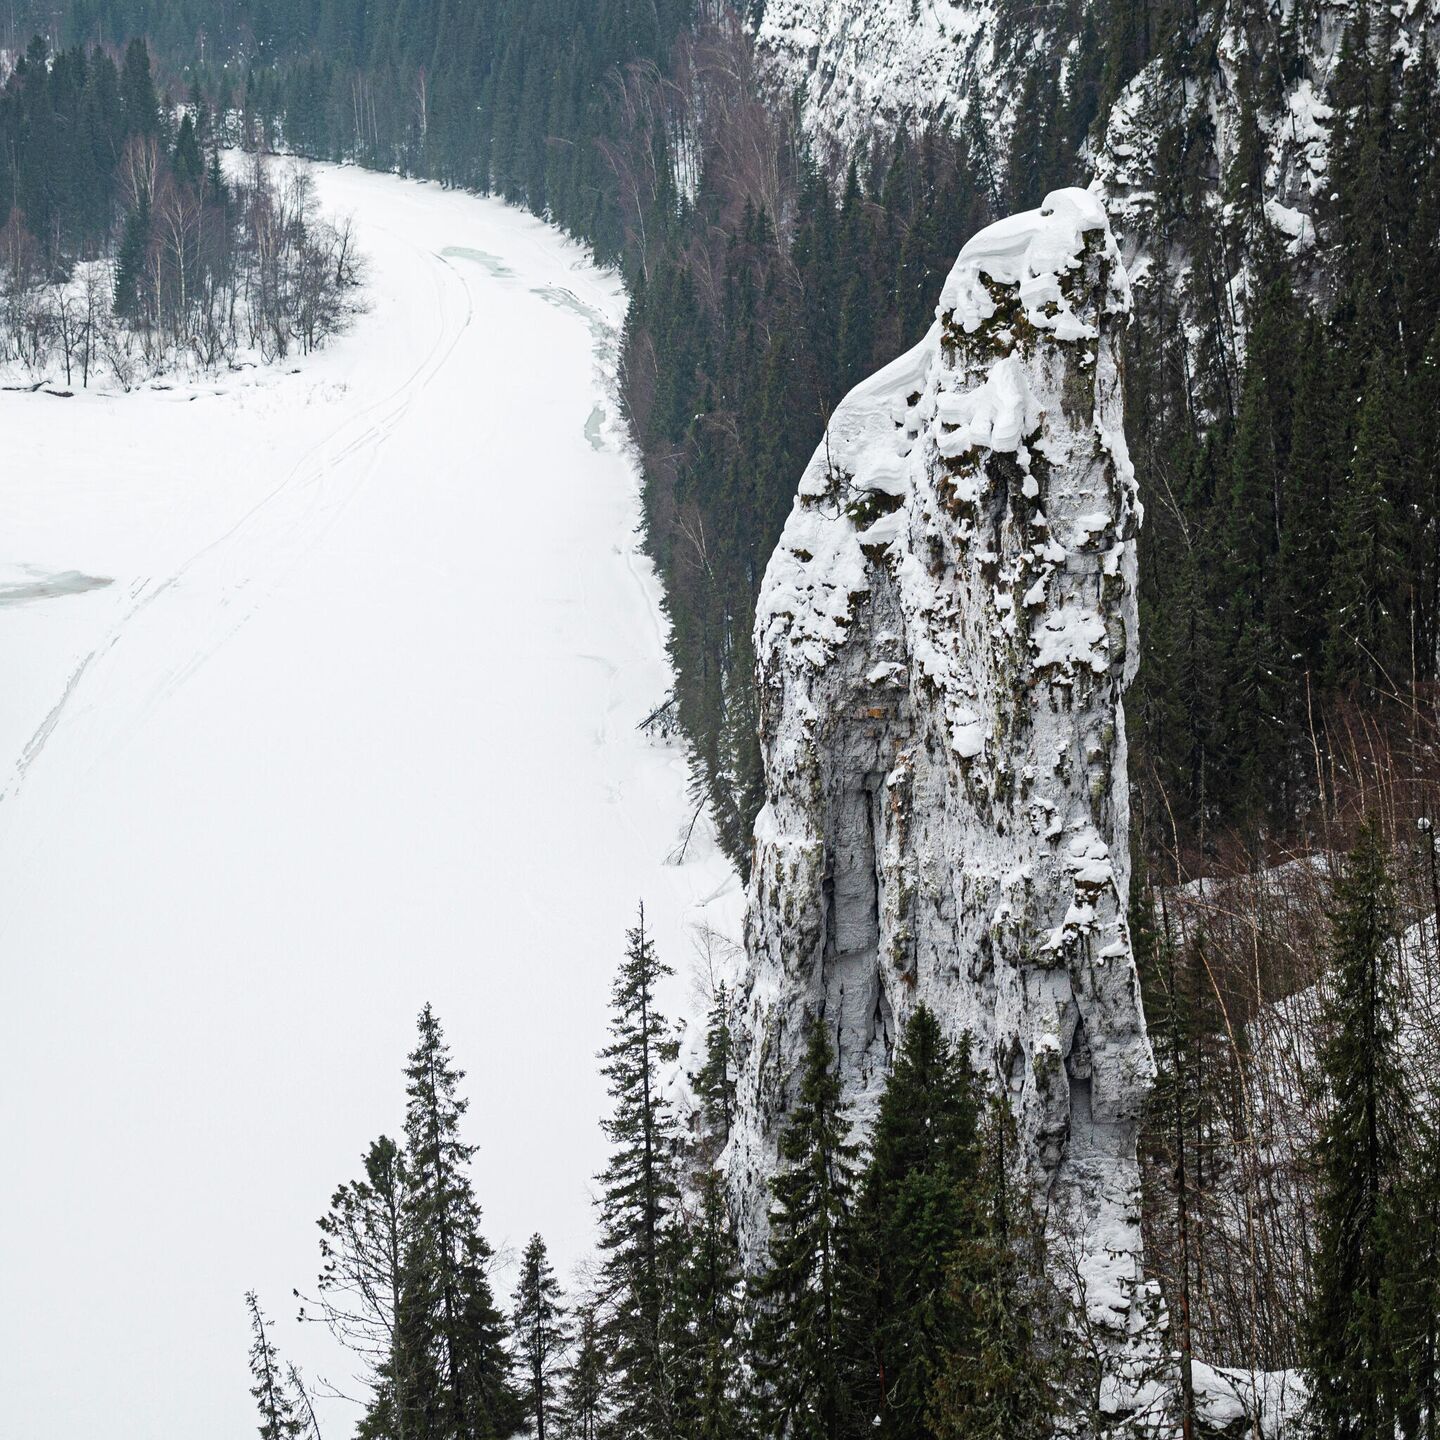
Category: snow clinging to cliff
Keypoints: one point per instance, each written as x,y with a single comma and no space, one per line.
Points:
943,637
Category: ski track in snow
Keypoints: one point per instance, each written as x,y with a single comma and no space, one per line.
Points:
281,525
316,749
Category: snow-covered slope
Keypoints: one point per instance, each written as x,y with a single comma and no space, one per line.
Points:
876,64
867,66
320,701
943,636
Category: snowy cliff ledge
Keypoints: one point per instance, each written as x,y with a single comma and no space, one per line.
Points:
860,65
943,637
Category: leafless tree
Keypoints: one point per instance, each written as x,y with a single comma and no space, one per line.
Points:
67,321
94,293
1255,930
140,172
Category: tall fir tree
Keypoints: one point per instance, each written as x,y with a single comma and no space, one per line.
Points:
186,160
915,1206
539,1325
707,1320
1368,643
715,1082
456,1384
1359,1158
999,1382
799,1332
584,1399
638,1196
1311,491
137,91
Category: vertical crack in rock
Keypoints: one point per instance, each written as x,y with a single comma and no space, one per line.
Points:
943,637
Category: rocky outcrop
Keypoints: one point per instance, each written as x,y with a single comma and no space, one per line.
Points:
943,638
867,65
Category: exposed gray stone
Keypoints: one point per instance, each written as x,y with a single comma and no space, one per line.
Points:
943,638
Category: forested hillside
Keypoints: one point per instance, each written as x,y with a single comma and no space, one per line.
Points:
1284,568
1281,572
1274,174
127,251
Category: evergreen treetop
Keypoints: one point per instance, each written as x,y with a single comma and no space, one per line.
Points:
1359,1158
799,1332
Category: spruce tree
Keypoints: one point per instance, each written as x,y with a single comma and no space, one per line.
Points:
715,1084
638,1196
915,1206
1362,196
541,1334
1359,1156
130,264
456,1384
706,1322
187,160
280,1419
583,1403
800,1329
998,1383
744,767
1310,493
137,92
1367,643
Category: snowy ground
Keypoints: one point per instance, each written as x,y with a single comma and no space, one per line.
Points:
319,702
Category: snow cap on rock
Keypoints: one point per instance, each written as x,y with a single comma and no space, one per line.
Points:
1033,250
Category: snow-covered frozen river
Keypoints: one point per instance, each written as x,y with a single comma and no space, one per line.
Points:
319,701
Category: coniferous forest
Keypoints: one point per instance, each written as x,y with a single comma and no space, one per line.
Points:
768,278
128,251
906,1288
1283,413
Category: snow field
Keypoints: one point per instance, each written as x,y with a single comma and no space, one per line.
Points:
351,727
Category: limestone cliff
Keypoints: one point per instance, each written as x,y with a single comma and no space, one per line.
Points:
943,638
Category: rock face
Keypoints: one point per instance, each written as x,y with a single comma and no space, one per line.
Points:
943,638
865,64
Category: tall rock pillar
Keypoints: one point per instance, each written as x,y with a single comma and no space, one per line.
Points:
944,635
